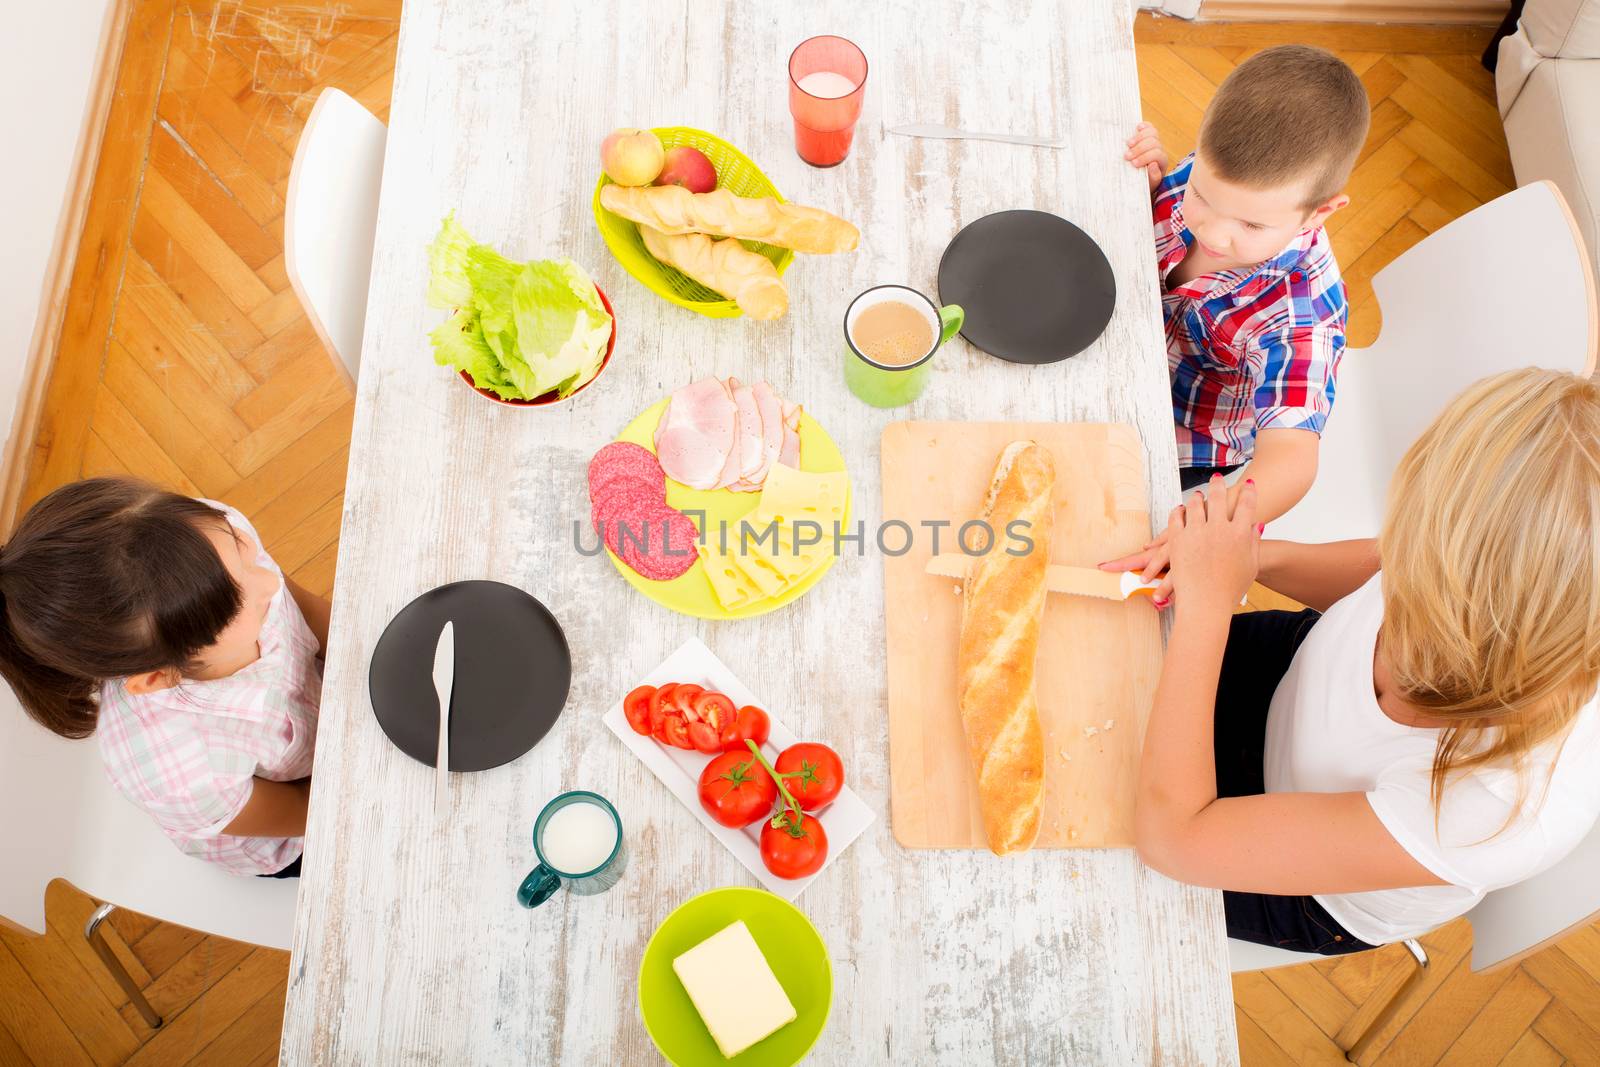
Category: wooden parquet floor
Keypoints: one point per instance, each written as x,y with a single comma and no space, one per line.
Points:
186,359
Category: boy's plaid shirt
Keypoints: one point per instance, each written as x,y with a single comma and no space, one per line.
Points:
1249,349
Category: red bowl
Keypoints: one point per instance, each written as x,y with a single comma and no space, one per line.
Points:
547,399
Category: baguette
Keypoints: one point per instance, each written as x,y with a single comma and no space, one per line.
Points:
726,266
672,209
1001,611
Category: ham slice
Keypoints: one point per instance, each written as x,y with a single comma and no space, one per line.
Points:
750,438
771,406
789,455
697,434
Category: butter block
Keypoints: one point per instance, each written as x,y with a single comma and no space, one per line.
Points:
733,988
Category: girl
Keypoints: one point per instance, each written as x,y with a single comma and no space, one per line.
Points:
1360,776
158,623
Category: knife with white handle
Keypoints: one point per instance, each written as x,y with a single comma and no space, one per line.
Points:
1078,581
444,680
950,133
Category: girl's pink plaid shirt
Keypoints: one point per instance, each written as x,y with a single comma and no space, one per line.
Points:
187,755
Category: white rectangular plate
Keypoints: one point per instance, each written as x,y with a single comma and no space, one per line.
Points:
679,769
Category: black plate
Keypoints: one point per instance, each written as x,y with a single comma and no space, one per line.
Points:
513,669
1036,289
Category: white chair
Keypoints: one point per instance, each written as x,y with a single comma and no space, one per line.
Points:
1508,285
329,221
1508,925
64,819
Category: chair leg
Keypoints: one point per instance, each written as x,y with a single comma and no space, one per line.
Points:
97,941
1419,956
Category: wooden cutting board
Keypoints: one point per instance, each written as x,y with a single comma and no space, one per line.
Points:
1098,660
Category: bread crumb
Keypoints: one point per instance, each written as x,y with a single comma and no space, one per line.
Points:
1090,731
958,593
1072,835
1109,724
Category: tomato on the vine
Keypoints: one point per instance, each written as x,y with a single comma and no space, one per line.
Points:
736,790
812,772
793,848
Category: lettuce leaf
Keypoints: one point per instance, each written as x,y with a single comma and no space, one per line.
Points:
520,329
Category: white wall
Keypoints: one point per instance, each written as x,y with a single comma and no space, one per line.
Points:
47,64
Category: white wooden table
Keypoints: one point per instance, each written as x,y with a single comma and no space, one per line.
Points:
409,945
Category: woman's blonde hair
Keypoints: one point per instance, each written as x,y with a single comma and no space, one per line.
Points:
1491,569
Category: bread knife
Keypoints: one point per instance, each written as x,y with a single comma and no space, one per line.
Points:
1078,581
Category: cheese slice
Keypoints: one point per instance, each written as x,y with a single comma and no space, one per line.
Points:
732,586
734,990
793,560
790,494
757,566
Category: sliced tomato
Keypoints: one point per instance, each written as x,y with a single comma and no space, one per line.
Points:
683,701
660,704
750,722
636,707
714,708
703,737
674,731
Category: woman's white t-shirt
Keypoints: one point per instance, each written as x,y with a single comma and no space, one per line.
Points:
1327,734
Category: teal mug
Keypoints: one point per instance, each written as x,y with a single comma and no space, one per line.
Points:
895,374
578,839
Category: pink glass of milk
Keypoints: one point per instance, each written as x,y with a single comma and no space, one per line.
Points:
827,77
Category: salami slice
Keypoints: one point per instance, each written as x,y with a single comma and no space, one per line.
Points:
628,507
624,457
659,544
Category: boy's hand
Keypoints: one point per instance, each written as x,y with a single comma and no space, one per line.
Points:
1145,153
1151,561
1215,549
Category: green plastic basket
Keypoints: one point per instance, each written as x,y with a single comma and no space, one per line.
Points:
736,173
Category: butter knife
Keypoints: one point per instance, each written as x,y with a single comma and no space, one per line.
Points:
950,133
444,679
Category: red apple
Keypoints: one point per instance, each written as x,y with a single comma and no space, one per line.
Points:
631,157
689,168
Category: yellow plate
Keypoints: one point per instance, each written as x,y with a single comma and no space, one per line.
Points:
690,593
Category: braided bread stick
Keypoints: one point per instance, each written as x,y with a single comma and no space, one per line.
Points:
672,209
726,266
1001,611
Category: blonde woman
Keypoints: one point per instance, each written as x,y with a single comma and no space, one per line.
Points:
1362,775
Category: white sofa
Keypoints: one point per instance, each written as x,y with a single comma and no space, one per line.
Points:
1548,84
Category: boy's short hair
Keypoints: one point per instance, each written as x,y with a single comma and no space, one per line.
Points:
1285,114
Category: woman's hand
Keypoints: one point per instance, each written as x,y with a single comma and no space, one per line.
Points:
1145,153
1214,548
1151,561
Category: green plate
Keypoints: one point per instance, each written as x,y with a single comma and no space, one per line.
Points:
793,948
690,593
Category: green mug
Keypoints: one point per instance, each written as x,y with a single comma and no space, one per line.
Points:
578,839
891,384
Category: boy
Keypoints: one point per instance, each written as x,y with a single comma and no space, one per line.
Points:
1251,296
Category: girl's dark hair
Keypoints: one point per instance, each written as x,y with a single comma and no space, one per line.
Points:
107,578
